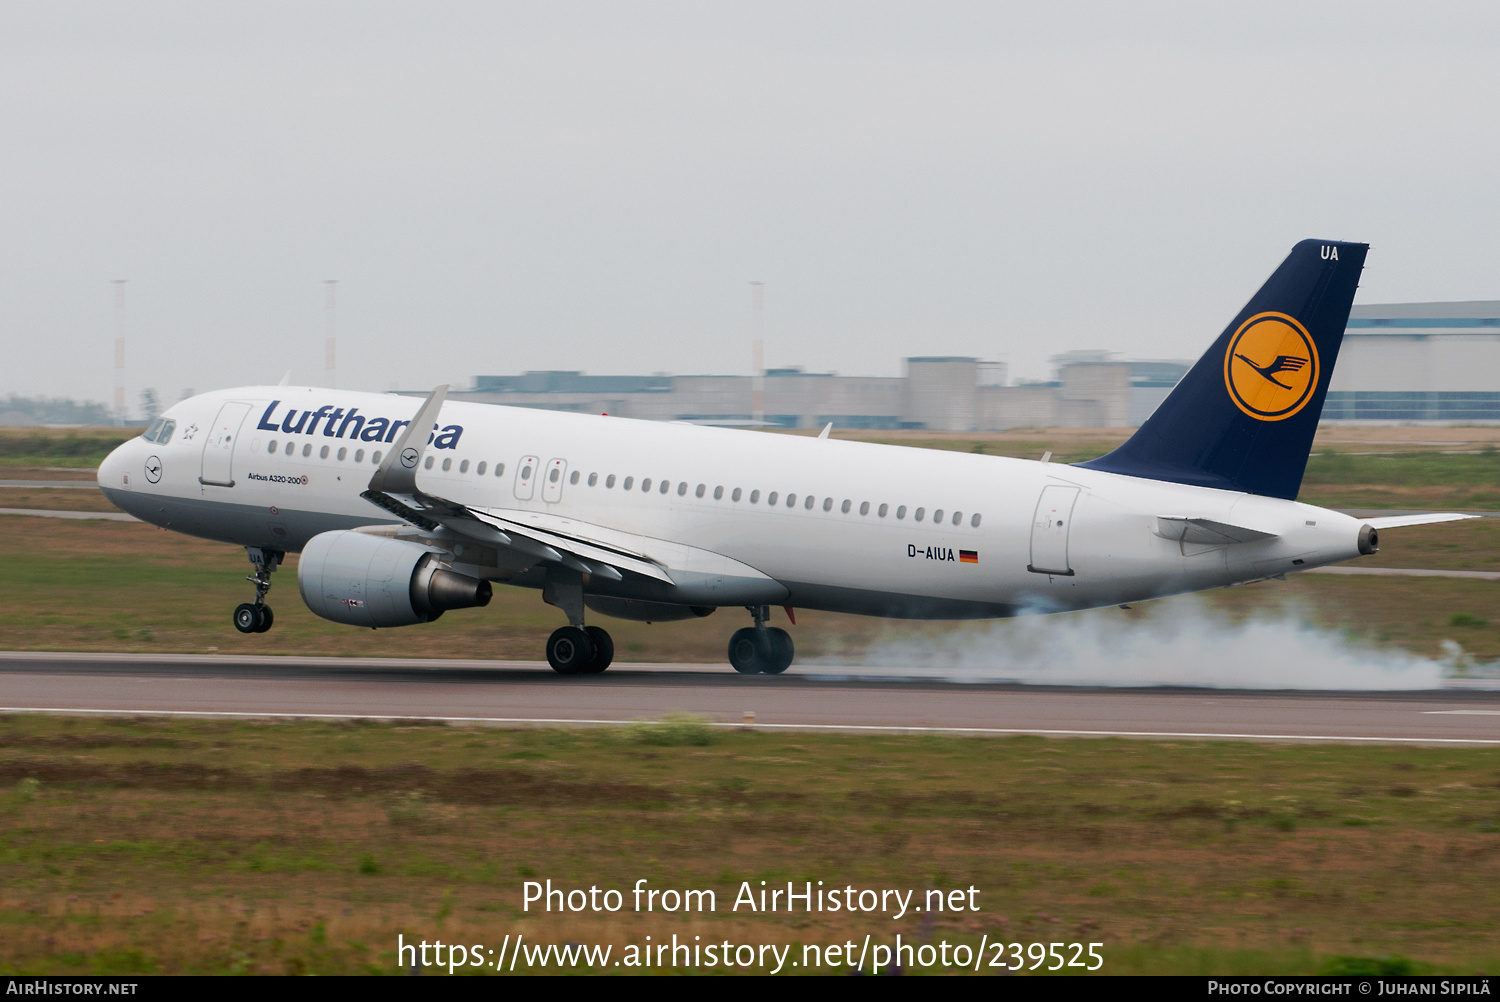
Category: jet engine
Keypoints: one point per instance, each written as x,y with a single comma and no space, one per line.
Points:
364,580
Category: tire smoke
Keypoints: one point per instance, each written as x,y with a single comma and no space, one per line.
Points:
1181,642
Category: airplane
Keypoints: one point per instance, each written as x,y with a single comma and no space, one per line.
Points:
403,510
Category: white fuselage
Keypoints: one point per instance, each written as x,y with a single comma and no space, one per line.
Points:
871,541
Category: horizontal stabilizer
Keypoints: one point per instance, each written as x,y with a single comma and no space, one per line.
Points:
1426,518
1207,531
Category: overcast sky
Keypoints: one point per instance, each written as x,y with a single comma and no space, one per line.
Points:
503,187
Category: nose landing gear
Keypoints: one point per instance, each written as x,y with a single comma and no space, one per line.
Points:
256,617
761,649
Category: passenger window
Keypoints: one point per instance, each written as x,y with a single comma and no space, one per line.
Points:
552,477
447,465
665,484
700,490
736,495
609,481
375,457
808,504
525,472
791,500
323,452
771,498
165,435
718,493
645,484
272,448
479,470
307,450
754,496
342,453
428,464
958,518
682,489
573,477
846,506
882,510
901,512
629,482
359,455
463,467
499,469
864,507
593,479
975,520
291,447
937,517
828,504
919,513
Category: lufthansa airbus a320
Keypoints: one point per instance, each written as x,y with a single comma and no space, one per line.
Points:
403,509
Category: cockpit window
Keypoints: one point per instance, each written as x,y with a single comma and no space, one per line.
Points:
160,431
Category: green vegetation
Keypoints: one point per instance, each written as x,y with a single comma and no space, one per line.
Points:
66,447
203,846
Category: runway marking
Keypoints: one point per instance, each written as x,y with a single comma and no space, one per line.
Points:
738,725
1464,713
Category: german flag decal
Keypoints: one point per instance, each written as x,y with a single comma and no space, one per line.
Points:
968,556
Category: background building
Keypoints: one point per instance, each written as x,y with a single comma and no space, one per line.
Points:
1403,362
1419,363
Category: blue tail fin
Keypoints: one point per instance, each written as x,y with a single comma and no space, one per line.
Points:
1243,417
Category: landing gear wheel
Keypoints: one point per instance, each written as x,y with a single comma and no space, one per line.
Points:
267,617
782,651
750,651
247,618
569,651
604,650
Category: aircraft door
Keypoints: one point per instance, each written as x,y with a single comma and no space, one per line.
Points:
218,448
553,484
526,477
1049,530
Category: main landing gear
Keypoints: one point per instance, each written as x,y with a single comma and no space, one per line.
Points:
761,649
256,617
574,649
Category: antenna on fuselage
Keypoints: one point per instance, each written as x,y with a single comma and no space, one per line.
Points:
286,378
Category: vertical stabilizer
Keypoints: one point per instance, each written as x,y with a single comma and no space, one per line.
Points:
1243,417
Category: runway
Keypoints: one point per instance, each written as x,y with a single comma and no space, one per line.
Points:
809,698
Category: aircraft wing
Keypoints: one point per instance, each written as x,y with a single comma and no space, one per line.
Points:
582,546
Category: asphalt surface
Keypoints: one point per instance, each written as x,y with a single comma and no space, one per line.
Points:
814,698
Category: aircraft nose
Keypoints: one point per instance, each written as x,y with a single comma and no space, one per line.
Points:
114,465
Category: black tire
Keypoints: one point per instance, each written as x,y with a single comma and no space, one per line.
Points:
604,650
246,617
782,651
267,617
569,650
750,651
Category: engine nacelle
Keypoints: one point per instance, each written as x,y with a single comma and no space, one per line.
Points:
645,612
364,580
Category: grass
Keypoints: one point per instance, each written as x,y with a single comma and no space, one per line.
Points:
68,447
209,847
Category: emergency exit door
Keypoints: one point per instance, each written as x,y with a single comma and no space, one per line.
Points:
1050,528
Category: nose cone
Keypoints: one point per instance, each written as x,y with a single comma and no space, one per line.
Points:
116,465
